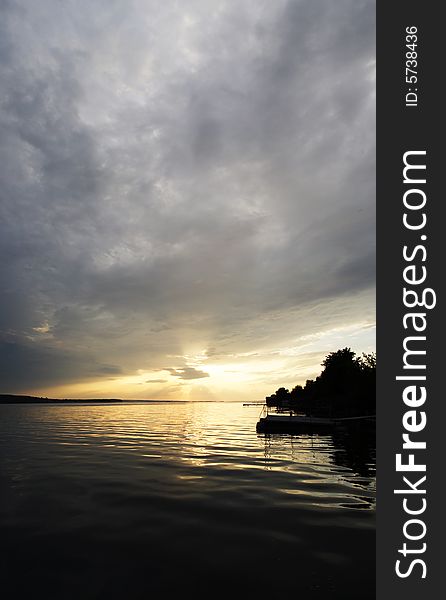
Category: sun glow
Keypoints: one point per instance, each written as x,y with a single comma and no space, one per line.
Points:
205,374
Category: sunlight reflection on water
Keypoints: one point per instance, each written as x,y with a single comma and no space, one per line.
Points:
137,488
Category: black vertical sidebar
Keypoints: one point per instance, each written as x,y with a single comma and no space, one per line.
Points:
410,119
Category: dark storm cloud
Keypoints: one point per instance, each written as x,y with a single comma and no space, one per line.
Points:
202,171
43,365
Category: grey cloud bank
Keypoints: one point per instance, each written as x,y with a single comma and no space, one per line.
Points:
181,176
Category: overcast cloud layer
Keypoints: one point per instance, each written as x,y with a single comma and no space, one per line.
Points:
187,192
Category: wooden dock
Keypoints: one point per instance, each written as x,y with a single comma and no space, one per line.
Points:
280,423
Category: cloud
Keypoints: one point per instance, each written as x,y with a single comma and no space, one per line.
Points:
174,180
41,365
188,373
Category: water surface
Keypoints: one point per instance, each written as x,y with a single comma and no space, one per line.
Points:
125,501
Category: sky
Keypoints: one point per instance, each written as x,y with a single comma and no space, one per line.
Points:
188,194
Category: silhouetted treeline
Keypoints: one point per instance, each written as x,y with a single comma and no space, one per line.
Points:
346,387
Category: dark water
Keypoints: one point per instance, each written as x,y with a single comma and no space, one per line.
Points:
129,501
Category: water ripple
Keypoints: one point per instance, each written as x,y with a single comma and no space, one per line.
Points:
117,493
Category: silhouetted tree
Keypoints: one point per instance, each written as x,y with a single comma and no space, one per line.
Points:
346,386
296,392
367,362
280,398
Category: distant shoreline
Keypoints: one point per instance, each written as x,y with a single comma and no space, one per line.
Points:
19,399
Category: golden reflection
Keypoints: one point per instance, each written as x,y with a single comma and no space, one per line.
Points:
206,435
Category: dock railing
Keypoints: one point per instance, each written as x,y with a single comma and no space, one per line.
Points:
264,412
